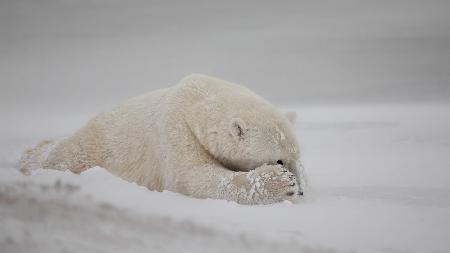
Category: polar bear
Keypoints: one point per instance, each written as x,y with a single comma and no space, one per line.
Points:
204,137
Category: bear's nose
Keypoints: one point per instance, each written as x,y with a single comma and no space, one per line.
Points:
300,193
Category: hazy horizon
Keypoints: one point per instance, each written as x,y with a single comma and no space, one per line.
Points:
90,54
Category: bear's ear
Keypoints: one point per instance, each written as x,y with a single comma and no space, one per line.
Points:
291,116
238,128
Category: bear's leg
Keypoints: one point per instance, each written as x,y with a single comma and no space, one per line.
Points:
35,158
77,153
81,151
263,185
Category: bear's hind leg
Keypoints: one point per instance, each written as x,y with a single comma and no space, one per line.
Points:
35,158
77,153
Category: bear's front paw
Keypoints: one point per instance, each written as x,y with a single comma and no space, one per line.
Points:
276,183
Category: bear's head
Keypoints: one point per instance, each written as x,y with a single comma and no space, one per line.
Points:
249,141
240,129
245,136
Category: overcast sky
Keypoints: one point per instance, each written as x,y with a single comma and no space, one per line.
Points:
76,55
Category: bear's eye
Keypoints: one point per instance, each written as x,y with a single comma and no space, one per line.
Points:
280,162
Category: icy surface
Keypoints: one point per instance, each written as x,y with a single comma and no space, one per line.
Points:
378,182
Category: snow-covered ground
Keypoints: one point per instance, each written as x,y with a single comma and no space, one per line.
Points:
378,182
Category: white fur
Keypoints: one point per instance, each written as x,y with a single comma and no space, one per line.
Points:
204,137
